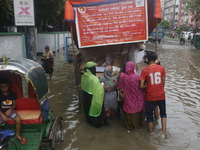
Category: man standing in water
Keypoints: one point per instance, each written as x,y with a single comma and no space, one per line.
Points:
153,80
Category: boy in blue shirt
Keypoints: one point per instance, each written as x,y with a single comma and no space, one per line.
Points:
7,106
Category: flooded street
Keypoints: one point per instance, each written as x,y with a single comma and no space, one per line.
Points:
182,98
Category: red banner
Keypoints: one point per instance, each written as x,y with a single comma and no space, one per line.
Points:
113,23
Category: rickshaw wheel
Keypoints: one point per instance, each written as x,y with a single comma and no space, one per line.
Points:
57,135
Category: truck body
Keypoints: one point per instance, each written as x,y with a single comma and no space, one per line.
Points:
152,36
108,32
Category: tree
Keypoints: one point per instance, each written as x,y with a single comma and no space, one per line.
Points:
49,13
6,13
178,30
165,24
193,6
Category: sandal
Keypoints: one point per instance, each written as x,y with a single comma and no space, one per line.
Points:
23,140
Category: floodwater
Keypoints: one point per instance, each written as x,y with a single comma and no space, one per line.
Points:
182,98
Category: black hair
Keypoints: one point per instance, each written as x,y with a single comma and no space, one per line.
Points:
4,80
46,47
151,56
159,63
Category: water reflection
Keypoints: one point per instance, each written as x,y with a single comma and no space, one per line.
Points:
182,96
182,90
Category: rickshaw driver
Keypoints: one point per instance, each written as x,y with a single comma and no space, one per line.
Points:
8,104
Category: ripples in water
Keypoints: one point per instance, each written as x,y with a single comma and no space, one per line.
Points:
182,99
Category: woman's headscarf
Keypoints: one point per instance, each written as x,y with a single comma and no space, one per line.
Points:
48,53
110,81
90,66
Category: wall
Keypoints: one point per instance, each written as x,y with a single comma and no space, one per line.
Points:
12,45
55,40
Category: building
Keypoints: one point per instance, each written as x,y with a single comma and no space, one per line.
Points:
162,6
169,11
175,12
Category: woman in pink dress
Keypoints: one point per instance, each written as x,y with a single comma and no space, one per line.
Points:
134,97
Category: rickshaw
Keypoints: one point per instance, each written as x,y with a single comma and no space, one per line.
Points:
196,41
28,81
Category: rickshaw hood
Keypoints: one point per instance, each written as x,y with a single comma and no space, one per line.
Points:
32,71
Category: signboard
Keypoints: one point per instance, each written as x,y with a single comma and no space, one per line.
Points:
112,23
24,12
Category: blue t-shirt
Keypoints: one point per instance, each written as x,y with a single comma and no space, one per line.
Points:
7,101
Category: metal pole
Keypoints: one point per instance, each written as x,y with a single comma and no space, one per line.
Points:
156,35
67,50
26,41
73,51
76,68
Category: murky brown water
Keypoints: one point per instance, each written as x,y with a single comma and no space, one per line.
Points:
183,96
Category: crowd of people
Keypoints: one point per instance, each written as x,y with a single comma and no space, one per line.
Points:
131,92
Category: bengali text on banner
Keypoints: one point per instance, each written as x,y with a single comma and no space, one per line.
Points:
112,23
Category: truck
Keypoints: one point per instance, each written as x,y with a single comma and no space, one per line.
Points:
109,32
152,36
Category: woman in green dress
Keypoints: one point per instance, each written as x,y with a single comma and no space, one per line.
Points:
93,95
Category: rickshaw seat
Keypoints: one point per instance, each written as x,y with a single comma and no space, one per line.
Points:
29,111
27,104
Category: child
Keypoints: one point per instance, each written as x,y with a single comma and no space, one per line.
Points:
154,77
7,106
156,110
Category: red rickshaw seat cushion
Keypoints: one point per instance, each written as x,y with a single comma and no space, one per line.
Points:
29,111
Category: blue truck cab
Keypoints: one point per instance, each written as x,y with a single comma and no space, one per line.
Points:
152,36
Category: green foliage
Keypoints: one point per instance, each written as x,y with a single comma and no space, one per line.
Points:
6,12
193,7
5,8
49,12
186,28
178,30
165,24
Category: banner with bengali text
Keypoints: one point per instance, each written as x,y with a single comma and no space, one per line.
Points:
112,23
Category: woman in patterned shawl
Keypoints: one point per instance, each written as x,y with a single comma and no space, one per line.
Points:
110,98
134,96
48,61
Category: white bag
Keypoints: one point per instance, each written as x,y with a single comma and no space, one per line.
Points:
138,56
